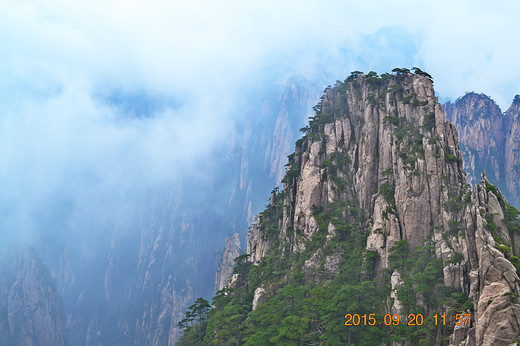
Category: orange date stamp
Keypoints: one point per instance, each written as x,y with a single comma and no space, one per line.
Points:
411,320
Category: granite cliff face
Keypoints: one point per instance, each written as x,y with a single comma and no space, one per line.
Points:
31,310
380,165
382,140
227,262
489,140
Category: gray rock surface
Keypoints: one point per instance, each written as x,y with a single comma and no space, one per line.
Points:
225,268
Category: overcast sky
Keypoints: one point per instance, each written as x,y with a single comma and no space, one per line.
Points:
65,67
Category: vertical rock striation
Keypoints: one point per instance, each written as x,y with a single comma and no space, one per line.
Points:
391,136
227,262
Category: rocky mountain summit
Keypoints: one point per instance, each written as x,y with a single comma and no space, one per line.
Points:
376,220
489,140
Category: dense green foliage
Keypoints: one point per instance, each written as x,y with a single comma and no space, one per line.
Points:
195,322
420,72
299,311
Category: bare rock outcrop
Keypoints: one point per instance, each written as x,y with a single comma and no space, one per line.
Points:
257,246
225,268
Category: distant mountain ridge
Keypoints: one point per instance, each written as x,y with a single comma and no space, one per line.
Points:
489,140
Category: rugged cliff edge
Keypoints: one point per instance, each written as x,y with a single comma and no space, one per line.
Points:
376,218
31,312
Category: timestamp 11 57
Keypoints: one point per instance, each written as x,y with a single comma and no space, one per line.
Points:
460,319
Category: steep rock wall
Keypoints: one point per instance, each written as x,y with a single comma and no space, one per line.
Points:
227,262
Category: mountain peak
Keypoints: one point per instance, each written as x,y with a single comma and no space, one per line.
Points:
376,216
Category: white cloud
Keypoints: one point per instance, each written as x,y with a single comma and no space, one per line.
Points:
181,48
